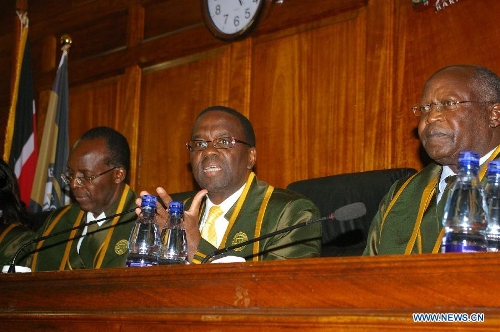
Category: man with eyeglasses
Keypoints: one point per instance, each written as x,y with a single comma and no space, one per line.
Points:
459,111
233,206
96,171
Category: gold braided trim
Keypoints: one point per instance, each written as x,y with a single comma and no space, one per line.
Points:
238,206
97,256
47,231
260,217
419,241
104,248
437,245
7,230
70,242
198,261
197,252
391,204
427,196
484,166
482,172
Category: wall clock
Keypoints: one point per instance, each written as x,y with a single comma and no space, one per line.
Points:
230,20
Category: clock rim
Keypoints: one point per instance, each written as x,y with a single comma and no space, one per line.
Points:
260,14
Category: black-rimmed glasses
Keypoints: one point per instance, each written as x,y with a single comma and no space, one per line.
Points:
81,180
444,105
218,143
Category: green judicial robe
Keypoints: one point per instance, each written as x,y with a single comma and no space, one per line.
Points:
12,237
262,209
409,219
104,248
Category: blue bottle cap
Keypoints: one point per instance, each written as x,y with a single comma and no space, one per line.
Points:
175,207
468,159
494,167
149,201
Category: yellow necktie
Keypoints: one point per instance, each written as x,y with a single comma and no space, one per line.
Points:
208,232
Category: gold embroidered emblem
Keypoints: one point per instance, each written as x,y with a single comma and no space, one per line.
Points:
121,247
240,237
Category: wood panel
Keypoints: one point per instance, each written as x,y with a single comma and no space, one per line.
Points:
328,86
93,105
308,100
379,84
321,294
172,95
110,102
462,33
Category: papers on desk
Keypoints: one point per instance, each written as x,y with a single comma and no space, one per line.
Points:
19,269
229,259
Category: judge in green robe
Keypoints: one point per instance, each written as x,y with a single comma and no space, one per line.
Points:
15,222
96,171
459,111
223,154
12,237
262,209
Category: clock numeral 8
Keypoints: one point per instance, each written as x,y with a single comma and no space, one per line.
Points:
230,20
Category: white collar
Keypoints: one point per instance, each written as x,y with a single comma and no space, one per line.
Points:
448,172
227,203
90,218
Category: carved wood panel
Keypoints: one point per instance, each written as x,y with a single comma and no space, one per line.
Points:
328,87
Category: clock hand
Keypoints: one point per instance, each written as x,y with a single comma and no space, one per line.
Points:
241,2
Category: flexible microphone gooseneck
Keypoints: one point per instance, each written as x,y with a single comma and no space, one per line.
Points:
12,266
347,212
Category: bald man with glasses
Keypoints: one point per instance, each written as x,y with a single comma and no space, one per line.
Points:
96,171
459,111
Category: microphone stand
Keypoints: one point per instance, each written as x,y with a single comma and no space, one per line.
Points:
12,266
219,252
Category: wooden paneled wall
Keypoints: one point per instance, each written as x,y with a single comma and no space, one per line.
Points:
328,84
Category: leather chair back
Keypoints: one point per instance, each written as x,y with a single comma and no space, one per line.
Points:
348,238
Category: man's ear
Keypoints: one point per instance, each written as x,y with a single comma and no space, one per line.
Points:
252,158
495,115
120,174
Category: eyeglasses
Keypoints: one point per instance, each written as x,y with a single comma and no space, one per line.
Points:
82,180
444,105
218,143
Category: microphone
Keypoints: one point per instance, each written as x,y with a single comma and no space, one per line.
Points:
347,212
12,266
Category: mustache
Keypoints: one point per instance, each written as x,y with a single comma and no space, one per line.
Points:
434,132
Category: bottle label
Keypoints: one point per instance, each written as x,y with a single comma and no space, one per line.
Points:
138,264
451,247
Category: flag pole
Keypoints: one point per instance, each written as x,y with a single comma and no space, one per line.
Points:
49,192
9,132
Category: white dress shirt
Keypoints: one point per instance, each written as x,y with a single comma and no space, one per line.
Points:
90,218
448,172
221,223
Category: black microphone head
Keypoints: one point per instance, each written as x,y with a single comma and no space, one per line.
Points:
351,211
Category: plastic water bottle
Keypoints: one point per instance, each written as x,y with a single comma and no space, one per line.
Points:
465,216
143,244
173,248
492,194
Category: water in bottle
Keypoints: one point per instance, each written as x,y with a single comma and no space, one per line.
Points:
465,212
173,248
143,244
492,194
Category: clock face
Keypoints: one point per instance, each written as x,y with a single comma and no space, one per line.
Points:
233,17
